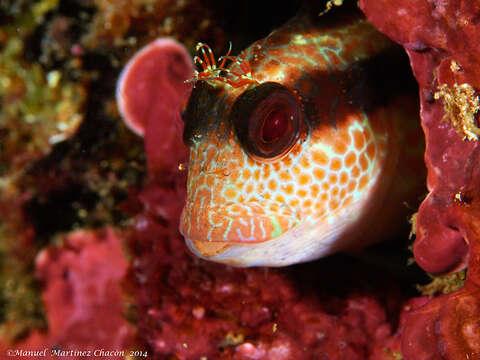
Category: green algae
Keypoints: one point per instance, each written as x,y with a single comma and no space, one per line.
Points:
443,284
38,108
21,308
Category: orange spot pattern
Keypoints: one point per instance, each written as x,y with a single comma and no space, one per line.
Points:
320,181
233,198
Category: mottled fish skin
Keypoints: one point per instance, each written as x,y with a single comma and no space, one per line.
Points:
341,180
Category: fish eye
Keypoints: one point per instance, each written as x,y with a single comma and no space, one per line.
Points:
267,120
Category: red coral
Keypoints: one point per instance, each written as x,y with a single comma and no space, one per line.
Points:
442,39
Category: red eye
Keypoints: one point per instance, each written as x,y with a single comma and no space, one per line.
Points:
275,126
267,120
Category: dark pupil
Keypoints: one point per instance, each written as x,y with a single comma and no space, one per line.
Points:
275,125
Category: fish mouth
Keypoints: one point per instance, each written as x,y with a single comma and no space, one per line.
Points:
210,230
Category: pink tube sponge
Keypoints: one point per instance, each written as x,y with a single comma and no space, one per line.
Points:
150,93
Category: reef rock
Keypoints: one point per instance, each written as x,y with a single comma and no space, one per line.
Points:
441,38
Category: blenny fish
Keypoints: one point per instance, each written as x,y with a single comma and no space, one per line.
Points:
302,146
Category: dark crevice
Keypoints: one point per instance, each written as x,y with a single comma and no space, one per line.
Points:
58,212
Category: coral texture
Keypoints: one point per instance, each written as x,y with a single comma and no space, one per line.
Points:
441,39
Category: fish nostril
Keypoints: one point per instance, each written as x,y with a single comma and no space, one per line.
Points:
218,171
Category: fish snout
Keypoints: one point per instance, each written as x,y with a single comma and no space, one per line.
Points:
210,229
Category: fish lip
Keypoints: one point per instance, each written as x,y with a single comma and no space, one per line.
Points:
246,254
207,249
213,249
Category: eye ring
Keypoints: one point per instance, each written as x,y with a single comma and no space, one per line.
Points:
268,121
